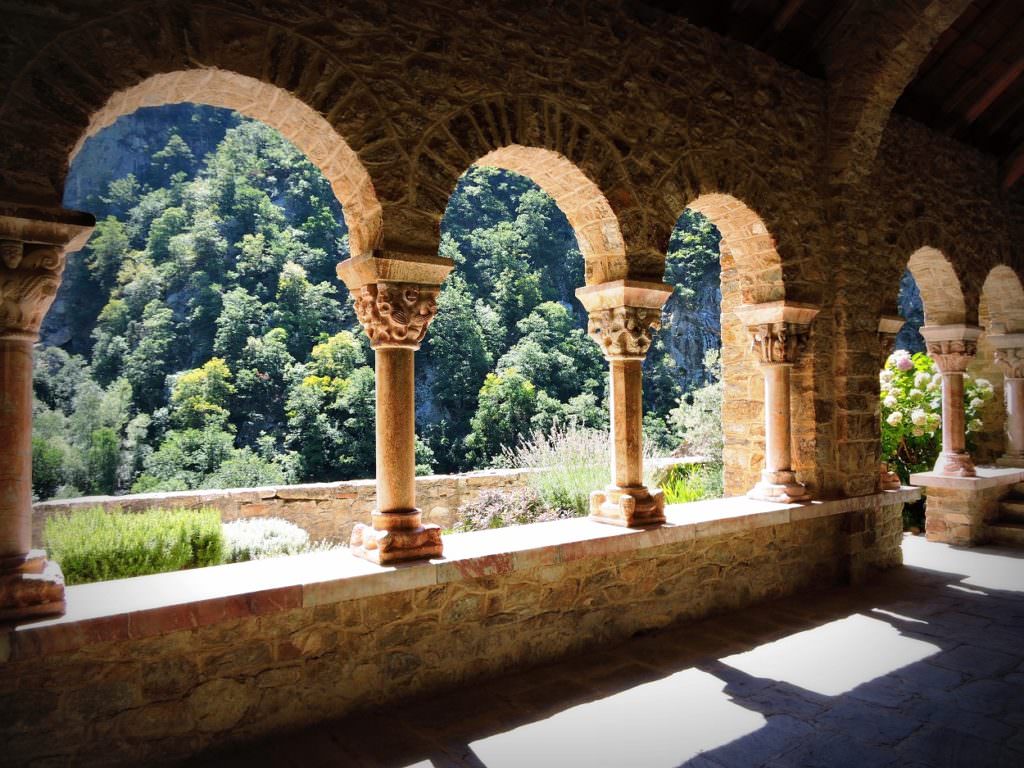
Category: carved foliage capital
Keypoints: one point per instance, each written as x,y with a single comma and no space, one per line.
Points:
396,314
952,355
1011,360
623,332
29,279
779,343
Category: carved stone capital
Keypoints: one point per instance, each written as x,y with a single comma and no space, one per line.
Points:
623,332
1011,360
29,279
396,314
952,355
951,346
779,343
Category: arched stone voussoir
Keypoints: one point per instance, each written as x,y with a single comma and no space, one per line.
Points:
108,66
942,292
566,157
1001,308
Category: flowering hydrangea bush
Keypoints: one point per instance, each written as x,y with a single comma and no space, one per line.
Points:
912,411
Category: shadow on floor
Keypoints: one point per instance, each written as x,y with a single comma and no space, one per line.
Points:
924,666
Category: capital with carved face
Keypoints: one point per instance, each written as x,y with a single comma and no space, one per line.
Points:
623,332
396,314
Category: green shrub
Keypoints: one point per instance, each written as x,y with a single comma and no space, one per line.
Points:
571,462
682,483
96,545
260,537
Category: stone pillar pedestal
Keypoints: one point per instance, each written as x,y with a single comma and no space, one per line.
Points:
32,246
395,300
953,347
622,314
778,331
888,328
1009,354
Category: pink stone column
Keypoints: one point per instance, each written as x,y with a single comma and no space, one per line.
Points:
1009,354
30,273
621,316
953,347
888,328
396,316
778,332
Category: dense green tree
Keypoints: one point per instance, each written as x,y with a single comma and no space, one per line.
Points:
506,407
242,317
147,365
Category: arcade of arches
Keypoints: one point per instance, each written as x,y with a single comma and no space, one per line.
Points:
625,122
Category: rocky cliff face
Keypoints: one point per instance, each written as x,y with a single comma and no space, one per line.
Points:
692,325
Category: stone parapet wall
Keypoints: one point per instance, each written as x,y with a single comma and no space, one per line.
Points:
129,675
324,510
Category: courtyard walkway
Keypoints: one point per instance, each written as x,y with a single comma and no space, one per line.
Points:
922,667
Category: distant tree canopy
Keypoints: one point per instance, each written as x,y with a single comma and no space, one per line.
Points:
202,337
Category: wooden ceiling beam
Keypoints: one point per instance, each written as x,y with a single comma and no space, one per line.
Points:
1013,167
1006,110
1007,47
994,91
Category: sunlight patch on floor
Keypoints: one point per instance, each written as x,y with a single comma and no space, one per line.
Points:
656,725
835,657
985,567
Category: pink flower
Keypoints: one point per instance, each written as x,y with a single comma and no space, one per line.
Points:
904,363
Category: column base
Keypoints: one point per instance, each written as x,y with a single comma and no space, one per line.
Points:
889,480
404,538
781,487
955,465
628,507
1013,462
30,587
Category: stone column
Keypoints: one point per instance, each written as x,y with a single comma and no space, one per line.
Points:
31,263
952,347
888,328
395,314
778,331
1009,354
621,315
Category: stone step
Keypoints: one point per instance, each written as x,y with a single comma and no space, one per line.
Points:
1001,532
1011,510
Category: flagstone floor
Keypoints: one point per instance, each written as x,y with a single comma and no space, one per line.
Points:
921,667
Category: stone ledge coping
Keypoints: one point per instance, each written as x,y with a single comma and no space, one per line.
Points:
147,606
988,477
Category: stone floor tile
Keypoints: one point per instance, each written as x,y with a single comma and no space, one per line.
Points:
976,662
864,724
836,752
943,747
779,734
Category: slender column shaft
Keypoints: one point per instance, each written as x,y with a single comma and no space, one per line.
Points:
627,422
1014,417
777,423
16,445
954,435
396,431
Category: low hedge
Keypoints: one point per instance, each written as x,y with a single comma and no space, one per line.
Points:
97,545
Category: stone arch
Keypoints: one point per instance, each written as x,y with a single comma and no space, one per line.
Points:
297,122
748,250
94,63
565,156
877,50
751,274
1002,302
586,208
941,292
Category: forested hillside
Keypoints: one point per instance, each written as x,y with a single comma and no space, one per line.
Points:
202,338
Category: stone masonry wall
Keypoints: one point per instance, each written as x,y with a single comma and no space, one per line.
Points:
167,696
324,510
